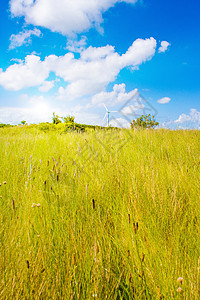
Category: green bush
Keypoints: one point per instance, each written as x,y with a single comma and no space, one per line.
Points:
145,121
5,125
46,126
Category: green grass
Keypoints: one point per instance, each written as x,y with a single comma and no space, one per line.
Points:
113,223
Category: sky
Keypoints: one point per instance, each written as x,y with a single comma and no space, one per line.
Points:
72,57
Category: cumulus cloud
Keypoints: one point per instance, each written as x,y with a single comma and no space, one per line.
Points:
24,37
139,52
77,46
117,96
99,66
31,72
46,86
183,118
193,117
164,100
66,17
88,75
164,46
185,121
120,122
131,109
130,104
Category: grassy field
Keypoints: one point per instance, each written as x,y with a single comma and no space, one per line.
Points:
99,215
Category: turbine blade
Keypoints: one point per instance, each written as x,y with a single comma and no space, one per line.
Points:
113,111
104,116
105,107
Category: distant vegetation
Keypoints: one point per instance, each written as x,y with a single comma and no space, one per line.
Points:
5,125
107,214
60,124
66,124
23,123
145,121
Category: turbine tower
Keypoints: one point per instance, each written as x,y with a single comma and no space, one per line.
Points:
107,114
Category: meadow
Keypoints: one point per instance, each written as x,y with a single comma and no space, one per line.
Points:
99,215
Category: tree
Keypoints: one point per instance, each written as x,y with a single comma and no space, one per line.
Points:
145,121
68,119
56,119
69,122
23,122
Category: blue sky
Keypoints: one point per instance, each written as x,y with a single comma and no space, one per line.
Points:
71,56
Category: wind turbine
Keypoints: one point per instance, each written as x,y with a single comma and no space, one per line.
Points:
107,114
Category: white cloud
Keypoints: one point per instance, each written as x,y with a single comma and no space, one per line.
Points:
119,122
46,86
40,111
99,66
37,110
193,117
23,37
95,54
164,46
77,46
185,121
68,17
164,100
139,52
131,109
183,118
117,96
17,60
31,72
88,75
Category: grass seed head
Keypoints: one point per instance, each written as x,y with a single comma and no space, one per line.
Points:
74,259
93,203
34,204
13,201
28,264
94,295
180,279
87,189
135,227
129,218
143,256
179,290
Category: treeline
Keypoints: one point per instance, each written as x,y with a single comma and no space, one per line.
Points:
66,127
5,125
60,127
66,124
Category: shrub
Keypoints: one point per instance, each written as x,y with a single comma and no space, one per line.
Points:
45,126
145,121
5,125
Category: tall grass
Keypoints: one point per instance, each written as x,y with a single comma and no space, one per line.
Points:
82,218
